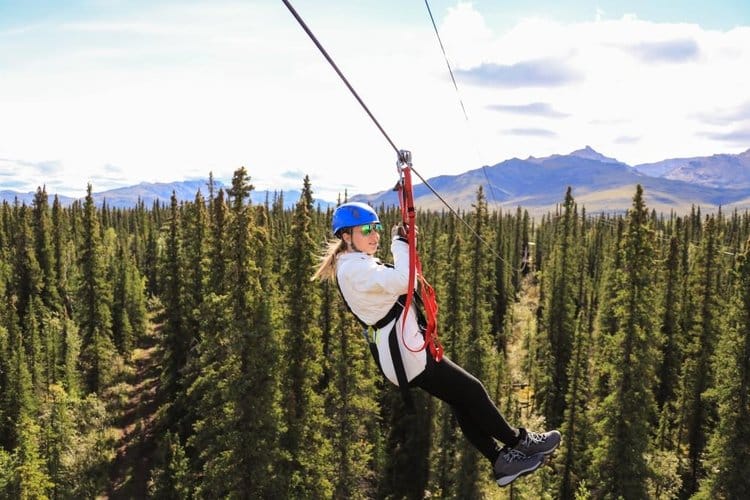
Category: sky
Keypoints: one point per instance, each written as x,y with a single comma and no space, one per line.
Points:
115,92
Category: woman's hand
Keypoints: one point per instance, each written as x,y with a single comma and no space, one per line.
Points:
400,231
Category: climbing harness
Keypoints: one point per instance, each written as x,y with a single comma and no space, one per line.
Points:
398,363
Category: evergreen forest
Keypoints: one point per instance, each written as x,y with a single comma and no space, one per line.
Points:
182,350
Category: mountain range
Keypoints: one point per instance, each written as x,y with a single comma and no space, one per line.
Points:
150,192
599,183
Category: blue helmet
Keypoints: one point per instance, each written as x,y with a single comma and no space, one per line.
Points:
352,214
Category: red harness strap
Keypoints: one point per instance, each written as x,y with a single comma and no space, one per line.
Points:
429,301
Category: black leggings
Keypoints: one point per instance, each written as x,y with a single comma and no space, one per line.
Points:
478,417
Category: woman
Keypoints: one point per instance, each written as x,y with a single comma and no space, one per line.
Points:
371,289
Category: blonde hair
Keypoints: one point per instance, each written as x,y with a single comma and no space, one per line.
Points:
327,268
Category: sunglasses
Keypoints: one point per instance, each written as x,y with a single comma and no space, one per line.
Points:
369,228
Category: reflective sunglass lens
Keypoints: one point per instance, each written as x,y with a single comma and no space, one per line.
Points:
369,228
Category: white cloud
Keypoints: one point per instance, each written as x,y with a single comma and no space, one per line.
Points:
646,79
168,94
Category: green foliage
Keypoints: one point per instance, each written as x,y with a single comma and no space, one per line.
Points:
478,344
559,314
171,476
30,478
351,405
95,298
577,423
210,441
728,449
623,434
304,439
6,473
664,479
695,411
89,449
635,345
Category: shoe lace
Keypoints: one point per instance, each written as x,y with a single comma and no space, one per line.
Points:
534,438
513,454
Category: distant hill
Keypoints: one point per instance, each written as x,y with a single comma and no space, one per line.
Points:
28,198
149,192
721,170
599,183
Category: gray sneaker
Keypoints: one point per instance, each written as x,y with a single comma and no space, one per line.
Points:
512,463
535,443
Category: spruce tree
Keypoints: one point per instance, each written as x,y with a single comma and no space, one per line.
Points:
478,345
352,406
5,381
17,395
28,279
697,374
254,392
70,375
151,261
213,365
136,299
57,438
196,265
310,475
45,253
728,451
95,303
212,442
31,479
577,423
196,228
6,473
619,461
173,331
122,329
559,318
218,249
270,329
170,478
503,289
20,398
453,328
670,327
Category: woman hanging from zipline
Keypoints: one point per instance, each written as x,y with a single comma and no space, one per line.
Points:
376,294
381,296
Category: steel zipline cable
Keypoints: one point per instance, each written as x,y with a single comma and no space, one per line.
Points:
458,93
445,56
341,75
399,152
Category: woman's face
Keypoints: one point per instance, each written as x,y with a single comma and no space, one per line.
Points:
364,238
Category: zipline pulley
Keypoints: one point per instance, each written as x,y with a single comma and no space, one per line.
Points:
404,158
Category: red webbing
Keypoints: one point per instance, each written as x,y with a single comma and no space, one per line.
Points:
408,216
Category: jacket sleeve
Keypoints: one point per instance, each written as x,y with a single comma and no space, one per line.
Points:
375,277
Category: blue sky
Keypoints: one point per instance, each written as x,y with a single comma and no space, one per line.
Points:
118,92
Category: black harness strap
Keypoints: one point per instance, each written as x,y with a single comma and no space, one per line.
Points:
398,362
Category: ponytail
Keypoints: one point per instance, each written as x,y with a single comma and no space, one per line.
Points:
327,269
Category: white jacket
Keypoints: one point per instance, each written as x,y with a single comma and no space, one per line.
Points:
370,288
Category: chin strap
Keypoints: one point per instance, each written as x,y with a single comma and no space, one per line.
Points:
427,293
